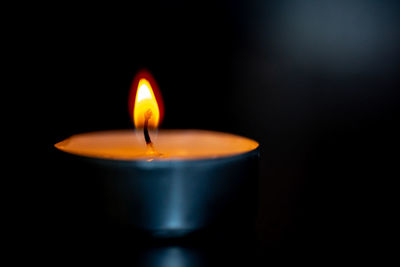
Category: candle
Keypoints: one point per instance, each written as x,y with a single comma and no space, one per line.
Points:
168,182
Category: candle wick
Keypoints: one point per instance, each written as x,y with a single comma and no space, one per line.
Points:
150,148
147,116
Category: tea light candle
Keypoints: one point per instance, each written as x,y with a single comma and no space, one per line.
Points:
173,182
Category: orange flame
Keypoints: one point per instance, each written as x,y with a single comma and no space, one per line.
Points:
145,101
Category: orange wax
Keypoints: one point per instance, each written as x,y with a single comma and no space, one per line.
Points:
171,144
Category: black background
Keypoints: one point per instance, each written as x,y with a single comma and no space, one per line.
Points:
315,82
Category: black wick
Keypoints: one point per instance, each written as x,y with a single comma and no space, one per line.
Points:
147,116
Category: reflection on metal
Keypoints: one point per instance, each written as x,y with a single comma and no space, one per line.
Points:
167,198
171,256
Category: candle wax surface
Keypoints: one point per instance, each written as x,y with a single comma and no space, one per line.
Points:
168,145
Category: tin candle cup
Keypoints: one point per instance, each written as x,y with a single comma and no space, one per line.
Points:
205,180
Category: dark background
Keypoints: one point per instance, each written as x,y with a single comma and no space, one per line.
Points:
315,82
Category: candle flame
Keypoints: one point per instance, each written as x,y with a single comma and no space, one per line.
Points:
145,99
145,103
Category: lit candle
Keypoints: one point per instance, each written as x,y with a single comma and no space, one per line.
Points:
169,182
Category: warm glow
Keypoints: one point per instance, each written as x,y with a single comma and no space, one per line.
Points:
145,101
172,144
